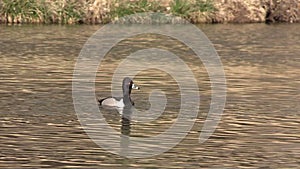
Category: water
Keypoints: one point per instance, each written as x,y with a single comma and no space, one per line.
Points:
259,127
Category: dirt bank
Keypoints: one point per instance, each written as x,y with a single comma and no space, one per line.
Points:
247,11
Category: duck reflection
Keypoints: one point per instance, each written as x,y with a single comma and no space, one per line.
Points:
126,118
125,130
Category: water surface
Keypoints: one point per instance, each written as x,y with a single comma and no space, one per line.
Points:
259,127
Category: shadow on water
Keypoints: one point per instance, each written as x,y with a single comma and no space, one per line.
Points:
259,128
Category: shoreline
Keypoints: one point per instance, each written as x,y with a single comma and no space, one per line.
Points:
105,11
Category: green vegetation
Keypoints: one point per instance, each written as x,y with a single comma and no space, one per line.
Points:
22,11
127,7
181,7
91,11
185,8
66,11
40,11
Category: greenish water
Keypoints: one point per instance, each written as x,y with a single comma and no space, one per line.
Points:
259,127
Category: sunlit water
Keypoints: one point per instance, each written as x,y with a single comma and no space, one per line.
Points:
259,127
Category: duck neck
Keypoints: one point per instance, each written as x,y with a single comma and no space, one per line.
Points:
127,99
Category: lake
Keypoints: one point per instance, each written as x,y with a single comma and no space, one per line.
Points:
259,127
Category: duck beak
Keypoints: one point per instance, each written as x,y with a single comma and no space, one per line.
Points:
135,87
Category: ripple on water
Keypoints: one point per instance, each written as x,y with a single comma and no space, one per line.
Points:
259,127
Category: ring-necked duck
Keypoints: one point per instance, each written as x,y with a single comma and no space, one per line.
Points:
127,85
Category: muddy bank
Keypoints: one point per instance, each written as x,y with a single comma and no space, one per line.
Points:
249,11
104,11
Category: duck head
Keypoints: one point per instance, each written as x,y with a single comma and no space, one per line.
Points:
127,86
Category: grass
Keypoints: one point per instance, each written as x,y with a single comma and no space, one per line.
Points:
18,10
181,7
91,11
185,8
205,5
40,11
128,7
66,11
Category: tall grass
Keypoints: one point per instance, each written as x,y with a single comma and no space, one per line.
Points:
91,11
128,7
41,11
181,7
185,8
66,11
205,5
14,11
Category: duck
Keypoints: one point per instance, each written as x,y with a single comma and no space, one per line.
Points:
121,102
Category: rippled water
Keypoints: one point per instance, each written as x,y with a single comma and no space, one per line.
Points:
259,127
